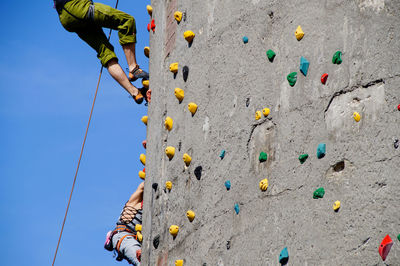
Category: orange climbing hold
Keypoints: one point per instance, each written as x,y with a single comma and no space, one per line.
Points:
385,247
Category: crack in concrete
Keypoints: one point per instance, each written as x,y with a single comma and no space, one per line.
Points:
387,159
364,242
253,127
353,88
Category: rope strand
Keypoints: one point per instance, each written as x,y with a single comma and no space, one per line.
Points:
80,156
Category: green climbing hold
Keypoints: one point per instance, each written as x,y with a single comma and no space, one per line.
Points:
271,55
292,78
263,157
303,158
398,237
337,58
319,193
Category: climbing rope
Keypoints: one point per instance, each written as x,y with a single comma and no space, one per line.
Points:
80,156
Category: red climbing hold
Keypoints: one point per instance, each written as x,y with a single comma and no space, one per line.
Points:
385,246
148,27
324,77
144,170
398,107
144,143
153,25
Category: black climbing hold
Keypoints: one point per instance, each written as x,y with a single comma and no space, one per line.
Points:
247,102
154,186
197,172
185,73
396,143
228,244
156,241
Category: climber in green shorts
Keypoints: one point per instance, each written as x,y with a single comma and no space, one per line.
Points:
87,20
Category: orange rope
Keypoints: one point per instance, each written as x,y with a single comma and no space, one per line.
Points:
80,156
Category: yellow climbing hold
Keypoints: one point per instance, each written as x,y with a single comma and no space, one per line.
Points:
173,230
170,152
192,108
138,227
264,184
190,215
178,16
149,9
168,185
188,35
139,236
142,175
299,33
142,159
187,159
145,83
258,115
179,263
179,94
356,116
174,67
147,51
336,205
265,111
169,123
144,119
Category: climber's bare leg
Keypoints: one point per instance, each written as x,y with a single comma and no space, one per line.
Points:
130,54
118,74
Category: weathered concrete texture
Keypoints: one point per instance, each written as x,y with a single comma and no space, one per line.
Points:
230,81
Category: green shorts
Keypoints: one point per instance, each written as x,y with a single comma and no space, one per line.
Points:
74,19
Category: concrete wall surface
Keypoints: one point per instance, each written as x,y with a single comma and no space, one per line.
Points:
229,81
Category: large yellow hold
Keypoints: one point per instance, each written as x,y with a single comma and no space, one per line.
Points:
299,33
173,230
170,152
149,9
189,36
179,263
142,175
179,94
147,51
266,111
190,215
178,16
145,83
169,123
174,67
168,185
336,205
139,236
142,159
138,227
357,116
144,119
187,159
192,108
258,115
264,184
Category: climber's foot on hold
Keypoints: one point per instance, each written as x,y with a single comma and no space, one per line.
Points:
138,97
137,73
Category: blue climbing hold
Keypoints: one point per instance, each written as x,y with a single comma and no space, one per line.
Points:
284,256
222,154
245,39
304,64
321,150
237,208
228,185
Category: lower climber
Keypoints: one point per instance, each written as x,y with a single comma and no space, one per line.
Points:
126,238
87,19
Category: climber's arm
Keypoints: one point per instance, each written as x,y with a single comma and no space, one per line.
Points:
137,197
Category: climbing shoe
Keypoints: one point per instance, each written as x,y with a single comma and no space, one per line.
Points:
138,98
138,73
146,94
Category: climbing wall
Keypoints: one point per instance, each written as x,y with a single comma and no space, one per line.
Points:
353,118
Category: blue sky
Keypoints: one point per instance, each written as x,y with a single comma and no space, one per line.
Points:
47,82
